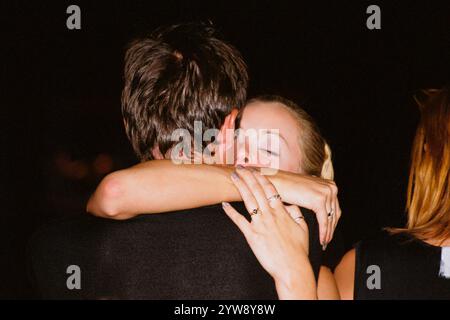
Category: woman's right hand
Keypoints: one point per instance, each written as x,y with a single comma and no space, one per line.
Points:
278,237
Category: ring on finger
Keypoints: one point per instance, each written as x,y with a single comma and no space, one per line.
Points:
331,214
274,197
255,211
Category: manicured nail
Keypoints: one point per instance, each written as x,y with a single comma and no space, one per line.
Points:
225,204
234,176
240,167
324,246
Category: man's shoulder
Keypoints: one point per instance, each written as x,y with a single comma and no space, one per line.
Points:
208,212
196,253
87,222
89,231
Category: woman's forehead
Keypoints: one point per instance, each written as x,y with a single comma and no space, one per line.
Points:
274,118
268,115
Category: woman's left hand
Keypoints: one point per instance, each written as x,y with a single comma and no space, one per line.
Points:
278,237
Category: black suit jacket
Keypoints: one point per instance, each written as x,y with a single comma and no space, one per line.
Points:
190,254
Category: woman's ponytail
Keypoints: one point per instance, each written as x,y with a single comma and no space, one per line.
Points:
327,167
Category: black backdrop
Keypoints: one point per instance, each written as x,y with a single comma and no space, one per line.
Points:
61,122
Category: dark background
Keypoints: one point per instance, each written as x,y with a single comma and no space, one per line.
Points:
60,93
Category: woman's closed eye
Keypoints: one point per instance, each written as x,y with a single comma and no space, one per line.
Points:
269,152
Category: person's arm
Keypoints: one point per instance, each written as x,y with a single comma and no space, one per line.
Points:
345,275
278,237
162,186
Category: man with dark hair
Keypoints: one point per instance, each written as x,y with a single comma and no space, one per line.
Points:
179,75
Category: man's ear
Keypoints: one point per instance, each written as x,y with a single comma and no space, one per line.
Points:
225,139
156,153
228,124
233,115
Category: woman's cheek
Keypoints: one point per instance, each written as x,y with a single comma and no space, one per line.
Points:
289,166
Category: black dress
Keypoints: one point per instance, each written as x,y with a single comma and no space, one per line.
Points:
399,267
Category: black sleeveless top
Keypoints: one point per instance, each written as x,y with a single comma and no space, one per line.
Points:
398,267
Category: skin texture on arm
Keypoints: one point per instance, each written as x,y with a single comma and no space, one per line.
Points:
345,275
161,186
300,287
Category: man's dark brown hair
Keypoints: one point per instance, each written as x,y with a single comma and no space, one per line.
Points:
178,75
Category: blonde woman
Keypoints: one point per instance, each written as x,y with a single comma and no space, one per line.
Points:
412,262
161,186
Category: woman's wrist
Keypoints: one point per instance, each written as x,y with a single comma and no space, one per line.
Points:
295,293
298,289
298,283
284,185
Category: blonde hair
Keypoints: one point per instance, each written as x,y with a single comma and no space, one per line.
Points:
428,198
316,153
327,171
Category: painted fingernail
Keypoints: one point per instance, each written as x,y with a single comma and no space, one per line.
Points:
324,246
240,167
234,176
225,204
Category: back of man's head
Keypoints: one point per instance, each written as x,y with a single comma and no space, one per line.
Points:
178,75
